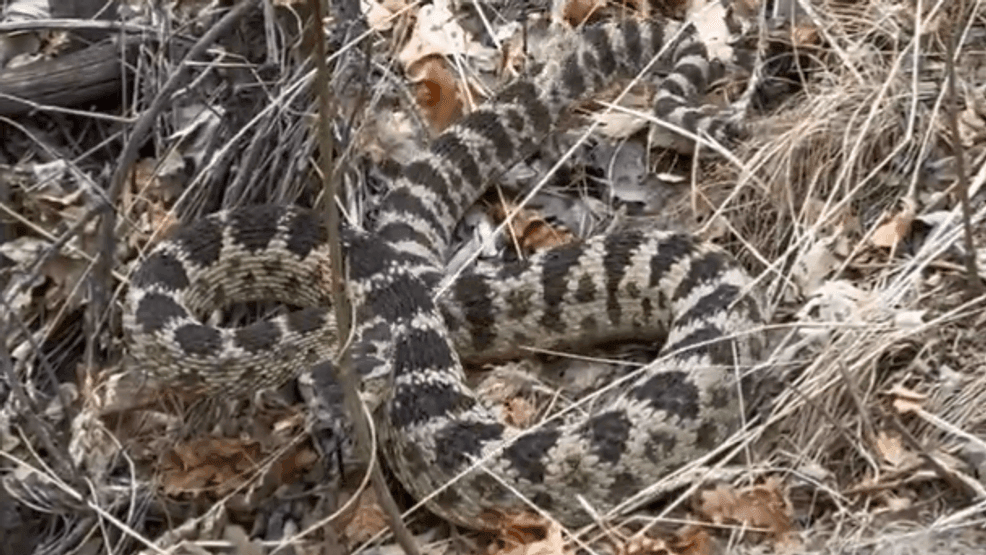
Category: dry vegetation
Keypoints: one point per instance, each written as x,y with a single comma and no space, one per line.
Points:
845,199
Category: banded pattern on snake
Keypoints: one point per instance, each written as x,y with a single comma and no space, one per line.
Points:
434,429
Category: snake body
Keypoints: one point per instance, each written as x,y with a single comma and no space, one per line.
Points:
442,442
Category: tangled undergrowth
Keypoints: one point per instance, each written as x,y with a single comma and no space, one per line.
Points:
845,200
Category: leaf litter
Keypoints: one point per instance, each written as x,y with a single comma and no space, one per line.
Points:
843,201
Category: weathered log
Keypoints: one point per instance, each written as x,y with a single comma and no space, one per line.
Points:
70,80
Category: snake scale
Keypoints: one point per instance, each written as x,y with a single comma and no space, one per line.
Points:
433,428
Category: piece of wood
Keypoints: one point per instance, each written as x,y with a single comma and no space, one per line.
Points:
70,80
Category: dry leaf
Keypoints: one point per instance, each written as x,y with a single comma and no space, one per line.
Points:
748,8
895,229
380,15
436,92
804,35
811,268
64,269
368,519
692,540
19,47
506,381
521,533
519,412
390,136
240,540
530,231
153,187
891,449
437,33
293,465
578,12
618,124
644,545
764,507
220,465
508,386
208,464
837,301
838,222
514,51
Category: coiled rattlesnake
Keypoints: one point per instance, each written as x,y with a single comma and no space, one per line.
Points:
626,284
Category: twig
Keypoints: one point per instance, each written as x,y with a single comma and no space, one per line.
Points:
74,25
339,296
972,273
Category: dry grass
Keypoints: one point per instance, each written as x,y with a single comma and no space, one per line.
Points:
878,431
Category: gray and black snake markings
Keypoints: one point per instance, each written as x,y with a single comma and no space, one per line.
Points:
433,428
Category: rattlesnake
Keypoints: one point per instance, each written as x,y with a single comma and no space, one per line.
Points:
433,429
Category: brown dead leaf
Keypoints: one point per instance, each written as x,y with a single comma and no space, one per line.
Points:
240,540
539,235
152,189
804,35
389,135
676,9
66,272
53,196
891,449
158,181
519,412
437,32
368,519
210,464
18,49
578,12
436,92
506,381
293,465
895,229
437,36
747,8
378,17
220,465
527,534
509,386
692,540
531,231
764,507
811,268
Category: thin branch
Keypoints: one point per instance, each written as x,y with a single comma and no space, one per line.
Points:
340,299
972,272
